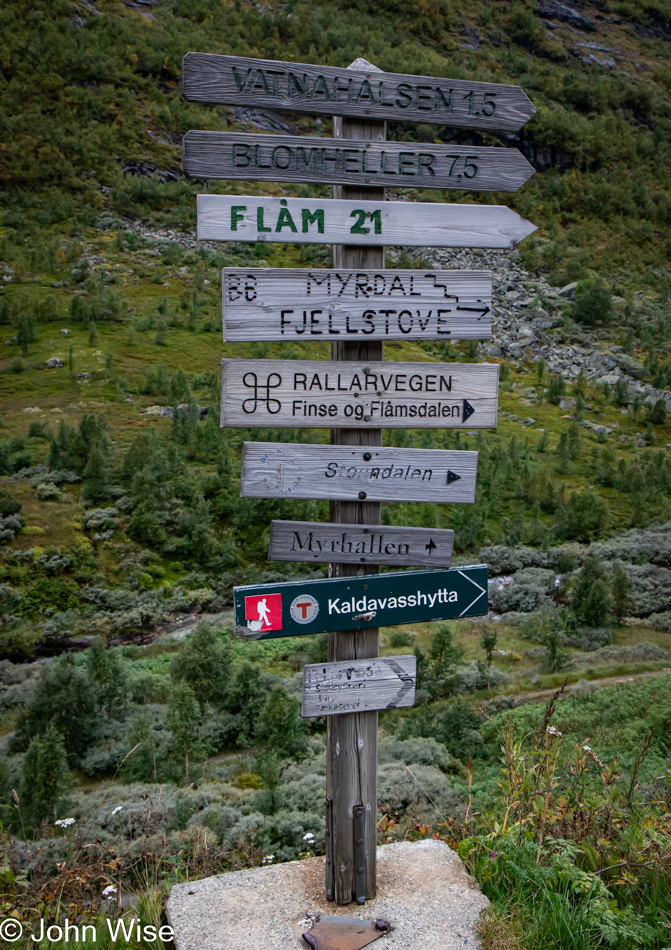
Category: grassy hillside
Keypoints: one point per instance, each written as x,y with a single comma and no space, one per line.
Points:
183,754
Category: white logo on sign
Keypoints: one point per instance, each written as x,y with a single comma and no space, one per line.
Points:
304,608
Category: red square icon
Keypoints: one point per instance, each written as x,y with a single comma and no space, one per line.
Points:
264,612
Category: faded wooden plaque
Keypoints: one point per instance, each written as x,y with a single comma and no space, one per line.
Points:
320,394
251,157
360,544
299,304
340,221
300,87
384,682
356,473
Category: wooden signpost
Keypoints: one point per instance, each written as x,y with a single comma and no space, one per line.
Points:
361,91
330,689
319,394
356,305
234,155
298,608
358,221
356,473
301,305
356,544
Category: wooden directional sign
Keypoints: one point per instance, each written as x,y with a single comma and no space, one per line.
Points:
356,473
360,544
383,682
319,394
233,155
298,304
242,81
296,608
339,221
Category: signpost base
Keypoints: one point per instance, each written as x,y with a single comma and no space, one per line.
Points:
424,892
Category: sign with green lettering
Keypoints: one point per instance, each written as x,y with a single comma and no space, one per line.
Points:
233,155
267,303
297,608
340,221
331,90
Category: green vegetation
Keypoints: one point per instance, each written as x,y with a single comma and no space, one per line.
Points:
119,500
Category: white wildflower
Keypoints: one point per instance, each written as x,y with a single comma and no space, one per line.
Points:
117,809
269,858
64,822
553,731
109,891
308,837
586,748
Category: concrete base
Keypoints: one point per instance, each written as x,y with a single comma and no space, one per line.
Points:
423,891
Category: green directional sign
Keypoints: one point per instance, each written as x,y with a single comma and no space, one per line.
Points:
297,608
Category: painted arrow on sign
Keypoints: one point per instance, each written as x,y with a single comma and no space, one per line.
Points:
360,544
297,608
358,685
356,473
372,223
320,394
233,155
330,90
367,304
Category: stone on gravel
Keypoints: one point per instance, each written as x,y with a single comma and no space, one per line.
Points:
423,891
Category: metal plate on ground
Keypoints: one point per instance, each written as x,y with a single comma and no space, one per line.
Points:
330,932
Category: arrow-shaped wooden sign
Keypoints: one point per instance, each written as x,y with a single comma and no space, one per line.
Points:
361,544
357,473
340,221
233,155
299,304
319,394
384,682
330,90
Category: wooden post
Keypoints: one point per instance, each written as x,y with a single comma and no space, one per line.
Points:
351,750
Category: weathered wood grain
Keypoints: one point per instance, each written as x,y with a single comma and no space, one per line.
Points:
320,394
359,221
330,689
351,473
359,544
251,157
298,304
329,90
351,740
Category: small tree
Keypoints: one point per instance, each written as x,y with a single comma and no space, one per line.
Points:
621,591
593,304
556,390
621,393
206,665
183,720
93,334
44,780
657,413
108,676
540,369
96,476
591,601
444,654
488,639
25,331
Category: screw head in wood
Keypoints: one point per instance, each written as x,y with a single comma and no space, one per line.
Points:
362,495
367,456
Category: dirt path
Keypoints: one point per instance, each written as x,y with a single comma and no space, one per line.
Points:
606,681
